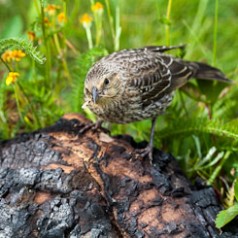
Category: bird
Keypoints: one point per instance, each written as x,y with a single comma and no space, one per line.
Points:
135,84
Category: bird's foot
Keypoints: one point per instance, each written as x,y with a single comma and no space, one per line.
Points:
146,152
92,126
86,128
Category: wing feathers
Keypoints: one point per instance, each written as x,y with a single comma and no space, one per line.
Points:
151,72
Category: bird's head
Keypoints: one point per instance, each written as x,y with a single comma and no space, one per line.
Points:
101,87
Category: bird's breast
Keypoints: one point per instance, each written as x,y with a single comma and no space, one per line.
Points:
129,107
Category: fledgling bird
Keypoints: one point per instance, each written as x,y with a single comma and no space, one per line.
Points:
132,85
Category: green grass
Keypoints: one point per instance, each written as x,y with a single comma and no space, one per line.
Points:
200,128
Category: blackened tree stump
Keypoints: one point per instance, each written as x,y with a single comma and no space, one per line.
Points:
59,183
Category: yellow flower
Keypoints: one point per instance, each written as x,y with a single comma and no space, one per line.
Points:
12,78
51,9
61,17
86,20
7,56
31,35
18,54
13,55
97,7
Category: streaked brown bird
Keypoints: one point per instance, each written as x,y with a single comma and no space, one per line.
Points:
133,85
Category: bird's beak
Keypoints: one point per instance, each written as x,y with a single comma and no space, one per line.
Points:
85,105
95,94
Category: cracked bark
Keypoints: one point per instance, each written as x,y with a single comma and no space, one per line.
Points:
58,183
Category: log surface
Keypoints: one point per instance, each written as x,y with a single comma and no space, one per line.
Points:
58,183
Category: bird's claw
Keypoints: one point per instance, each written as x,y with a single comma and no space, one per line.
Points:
86,128
93,126
146,152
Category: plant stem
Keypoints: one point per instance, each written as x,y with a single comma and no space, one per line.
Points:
7,66
167,26
37,7
117,30
17,96
215,33
30,105
61,55
98,23
218,168
48,56
89,37
111,21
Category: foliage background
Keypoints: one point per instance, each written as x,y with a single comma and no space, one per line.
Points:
201,126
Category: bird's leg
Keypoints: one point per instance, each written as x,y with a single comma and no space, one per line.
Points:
148,150
97,125
91,126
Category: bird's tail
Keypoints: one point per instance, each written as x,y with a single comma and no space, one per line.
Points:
206,72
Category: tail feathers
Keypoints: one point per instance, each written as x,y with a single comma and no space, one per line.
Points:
207,72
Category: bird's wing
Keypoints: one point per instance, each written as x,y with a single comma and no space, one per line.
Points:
162,49
156,75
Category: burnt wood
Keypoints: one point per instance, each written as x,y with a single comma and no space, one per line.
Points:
58,183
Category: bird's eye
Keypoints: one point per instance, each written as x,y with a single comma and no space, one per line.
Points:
106,81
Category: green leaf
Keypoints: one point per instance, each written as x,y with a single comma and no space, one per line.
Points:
26,45
236,189
226,216
201,125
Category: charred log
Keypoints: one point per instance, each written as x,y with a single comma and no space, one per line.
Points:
58,183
